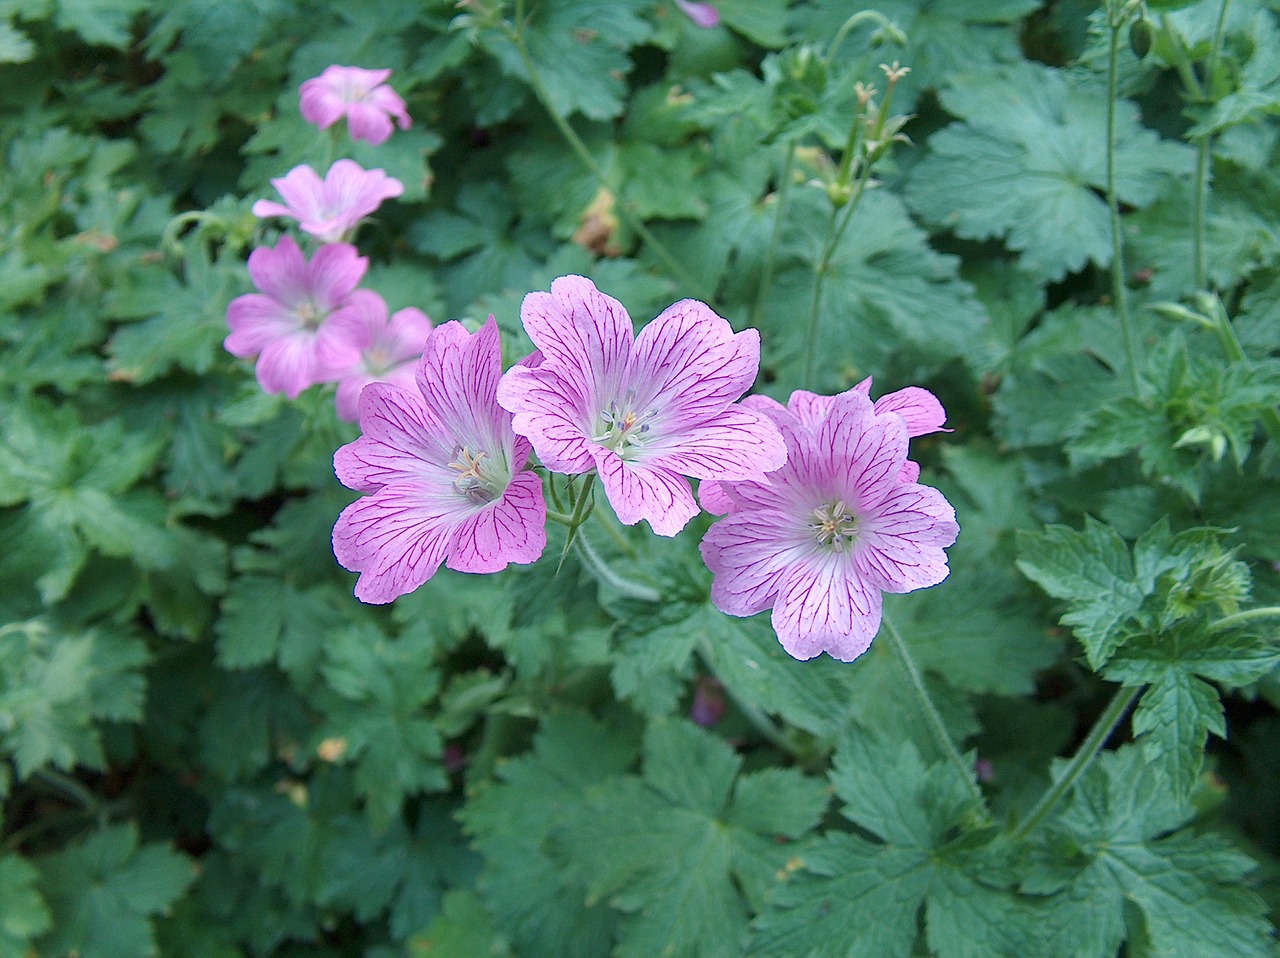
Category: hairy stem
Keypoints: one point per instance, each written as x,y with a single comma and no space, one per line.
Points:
932,716
516,34
606,574
783,193
1081,760
1204,158
1119,289
1244,617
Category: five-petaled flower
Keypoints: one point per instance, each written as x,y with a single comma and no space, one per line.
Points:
360,95
644,411
307,321
330,208
444,472
821,538
389,353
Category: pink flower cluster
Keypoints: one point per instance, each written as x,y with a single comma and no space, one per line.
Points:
824,513
309,323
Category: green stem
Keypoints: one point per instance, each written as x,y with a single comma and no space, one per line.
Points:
1248,615
834,233
1082,759
932,716
1230,343
605,573
775,236
1203,159
1119,289
516,34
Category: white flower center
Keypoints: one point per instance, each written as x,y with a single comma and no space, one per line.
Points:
309,314
623,429
473,483
834,525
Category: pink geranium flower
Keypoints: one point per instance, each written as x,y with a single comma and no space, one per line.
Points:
389,354
444,471
920,411
330,208
644,411
703,14
821,538
362,96
307,318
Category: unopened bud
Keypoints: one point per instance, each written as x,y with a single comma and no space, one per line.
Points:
839,193
1141,36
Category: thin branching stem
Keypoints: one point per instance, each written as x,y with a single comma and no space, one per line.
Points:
1204,158
516,35
933,718
783,194
1081,760
606,573
1244,617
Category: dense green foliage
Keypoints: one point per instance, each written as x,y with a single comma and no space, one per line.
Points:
209,748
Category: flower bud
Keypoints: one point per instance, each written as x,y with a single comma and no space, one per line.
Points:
1141,35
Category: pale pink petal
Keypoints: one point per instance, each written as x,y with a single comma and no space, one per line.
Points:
865,452
691,363
409,330
282,272
513,529
704,15
584,332
459,376
919,409
402,441
713,498
301,189
395,538
288,365
367,122
900,542
811,409
255,320
638,492
319,104
750,554
336,269
821,607
391,103
910,471
358,190
736,444
548,409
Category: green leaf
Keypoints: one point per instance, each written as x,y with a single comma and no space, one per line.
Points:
265,618
521,825
1172,723
579,48
849,895
1028,161
23,914
1093,570
104,892
1120,841
463,930
15,46
672,849
104,22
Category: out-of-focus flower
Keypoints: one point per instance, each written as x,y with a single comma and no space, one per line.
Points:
703,14
330,208
390,351
644,411
820,539
308,318
444,472
362,96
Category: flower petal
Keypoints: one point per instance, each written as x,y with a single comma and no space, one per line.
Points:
395,538
861,452
750,554
548,409
403,441
824,607
919,409
513,529
900,543
736,444
636,491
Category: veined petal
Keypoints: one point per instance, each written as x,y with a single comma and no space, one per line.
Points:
584,332
863,452
548,410
396,539
823,607
637,491
402,442
736,444
919,409
811,408
458,378
513,529
713,498
282,272
335,271
900,542
750,554
690,362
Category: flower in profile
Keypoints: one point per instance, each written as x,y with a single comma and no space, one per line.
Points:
821,538
444,472
330,208
307,318
644,411
920,411
389,353
703,14
362,96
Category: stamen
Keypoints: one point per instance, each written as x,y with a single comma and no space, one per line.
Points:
834,525
472,483
622,428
